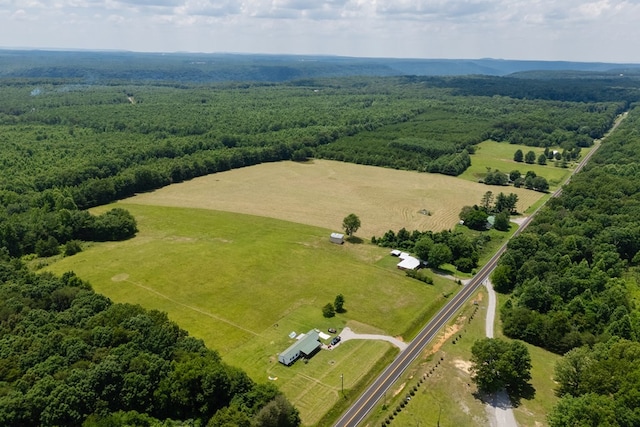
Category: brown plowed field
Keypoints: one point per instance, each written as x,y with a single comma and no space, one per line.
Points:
322,193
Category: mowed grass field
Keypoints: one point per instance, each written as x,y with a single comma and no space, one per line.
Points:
322,193
242,258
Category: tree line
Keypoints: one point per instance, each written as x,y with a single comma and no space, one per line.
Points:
97,144
41,222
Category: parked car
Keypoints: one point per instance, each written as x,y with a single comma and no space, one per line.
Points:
332,330
336,340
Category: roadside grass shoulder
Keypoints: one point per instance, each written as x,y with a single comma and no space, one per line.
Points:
439,383
356,390
444,393
531,209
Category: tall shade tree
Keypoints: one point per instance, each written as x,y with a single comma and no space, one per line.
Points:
474,217
498,364
328,310
487,201
501,222
351,224
439,254
542,159
422,247
570,371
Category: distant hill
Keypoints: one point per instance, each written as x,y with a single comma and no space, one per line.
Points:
96,66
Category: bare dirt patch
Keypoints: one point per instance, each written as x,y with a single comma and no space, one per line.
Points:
120,277
448,333
322,193
463,365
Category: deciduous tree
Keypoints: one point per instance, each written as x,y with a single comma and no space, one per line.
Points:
328,310
474,217
439,254
498,364
501,222
351,224
530,157
518,156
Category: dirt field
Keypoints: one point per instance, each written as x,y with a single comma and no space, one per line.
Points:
322,193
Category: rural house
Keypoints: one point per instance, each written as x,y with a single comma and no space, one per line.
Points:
305,346
408,262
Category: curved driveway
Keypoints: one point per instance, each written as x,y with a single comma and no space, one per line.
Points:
347,334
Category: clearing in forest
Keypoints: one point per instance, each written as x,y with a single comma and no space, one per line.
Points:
321,193
243,283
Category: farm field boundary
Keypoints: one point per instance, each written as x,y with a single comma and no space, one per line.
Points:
243,282
323,192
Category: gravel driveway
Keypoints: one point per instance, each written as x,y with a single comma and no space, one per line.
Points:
499,410
347,334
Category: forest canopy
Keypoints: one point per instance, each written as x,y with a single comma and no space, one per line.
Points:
68,145
573,284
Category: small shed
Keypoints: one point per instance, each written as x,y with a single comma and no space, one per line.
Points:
337,238
306,346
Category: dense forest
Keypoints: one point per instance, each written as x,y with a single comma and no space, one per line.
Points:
68,145
573,280
69,142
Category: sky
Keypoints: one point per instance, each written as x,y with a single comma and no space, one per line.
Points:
570,30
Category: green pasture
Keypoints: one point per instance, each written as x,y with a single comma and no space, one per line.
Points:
242,283
499,155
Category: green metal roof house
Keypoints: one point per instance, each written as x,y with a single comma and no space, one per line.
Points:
304,347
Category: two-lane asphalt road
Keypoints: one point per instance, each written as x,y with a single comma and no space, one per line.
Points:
359,410
376,391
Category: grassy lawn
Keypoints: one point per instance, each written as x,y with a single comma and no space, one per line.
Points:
497,155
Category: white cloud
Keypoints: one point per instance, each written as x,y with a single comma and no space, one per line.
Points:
523,29
595,9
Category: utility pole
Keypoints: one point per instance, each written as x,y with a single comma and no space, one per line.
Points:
342,383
